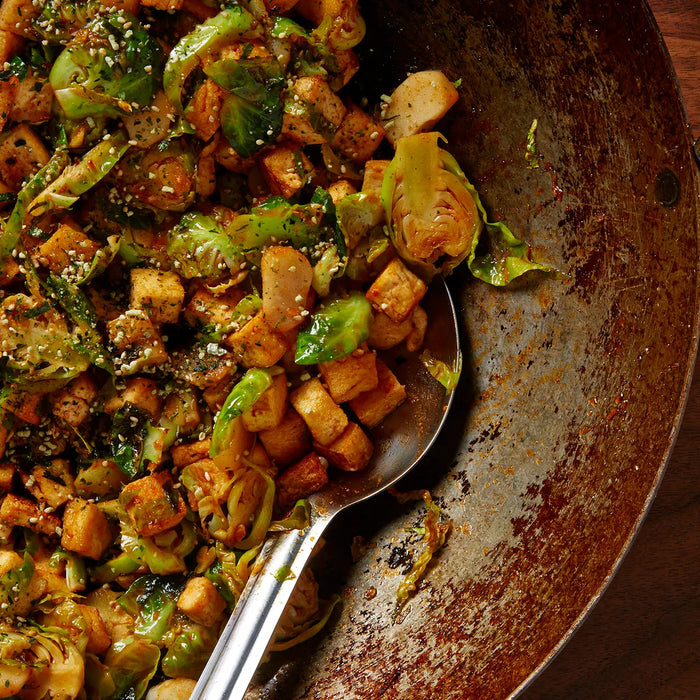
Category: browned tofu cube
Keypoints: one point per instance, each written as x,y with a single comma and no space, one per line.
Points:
287,442
16,16
206,308
373,406
20,511
72,403
351,451
226,156
99,479
33,100
10,44
8,89
160,294
300,480
189,452
298,129
419,325
26,406
396,291
7,471
136,342
280,6
204,108
358,136
350,375
385,333
286,170
67,249
257,344
163,4
98,636
216,394
324,418
140,392
51,483
22,154
267,412
153,504
374,176
339,189
313,113
85,529
201,602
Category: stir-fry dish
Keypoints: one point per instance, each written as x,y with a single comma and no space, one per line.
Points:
206,247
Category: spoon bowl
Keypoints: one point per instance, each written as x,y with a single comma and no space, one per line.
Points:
400,442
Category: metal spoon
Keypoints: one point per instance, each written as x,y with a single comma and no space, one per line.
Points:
400,442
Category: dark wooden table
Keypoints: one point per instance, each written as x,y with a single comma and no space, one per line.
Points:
642,640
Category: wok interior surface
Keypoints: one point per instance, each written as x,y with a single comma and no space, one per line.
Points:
572,388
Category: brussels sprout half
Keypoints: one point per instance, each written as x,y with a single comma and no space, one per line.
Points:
107,69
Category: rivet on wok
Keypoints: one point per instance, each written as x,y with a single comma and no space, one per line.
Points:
667,188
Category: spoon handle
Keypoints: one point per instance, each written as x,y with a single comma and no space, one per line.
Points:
250,628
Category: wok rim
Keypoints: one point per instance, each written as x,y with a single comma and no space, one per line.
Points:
684,394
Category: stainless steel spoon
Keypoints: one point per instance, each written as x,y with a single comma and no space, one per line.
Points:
400,442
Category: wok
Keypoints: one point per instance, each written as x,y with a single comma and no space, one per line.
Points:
572,390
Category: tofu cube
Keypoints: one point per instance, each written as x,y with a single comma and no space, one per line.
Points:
8,90
189,453
419,325
22,154
160,294
26,406
135,342
300,480
257,344
172,688
16,16
33,100
52,483
201,602
10,44
351,451
374,176
204,108
85,529
206,308
152,503
72,403
287,442
286,170
324,418
226,156
385,333
373,406
98,637
358,136
339,189
350,375
163,4
20,511
7,472
321,101
397,291
69,248
267,412
139,391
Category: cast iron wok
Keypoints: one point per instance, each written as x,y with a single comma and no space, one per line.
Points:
572,389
